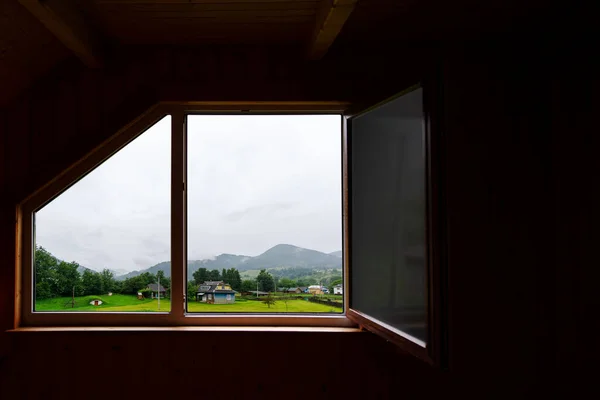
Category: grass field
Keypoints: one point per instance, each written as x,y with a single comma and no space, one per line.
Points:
126,303
116,302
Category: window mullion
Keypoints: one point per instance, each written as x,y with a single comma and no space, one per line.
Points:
178,256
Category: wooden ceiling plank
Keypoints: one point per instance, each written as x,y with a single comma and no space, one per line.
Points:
331,17
69,27
282,14
99,2
193,7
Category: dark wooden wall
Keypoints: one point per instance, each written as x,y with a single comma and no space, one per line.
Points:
522,208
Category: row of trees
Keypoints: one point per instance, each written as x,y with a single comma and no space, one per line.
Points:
230,276
55,278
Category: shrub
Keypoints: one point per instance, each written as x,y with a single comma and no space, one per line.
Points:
43,290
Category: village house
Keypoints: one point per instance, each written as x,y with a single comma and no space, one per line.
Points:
315,289
338,289
155,289
215,292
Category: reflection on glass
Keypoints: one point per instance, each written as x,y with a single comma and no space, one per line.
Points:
103,245
388,215
264,214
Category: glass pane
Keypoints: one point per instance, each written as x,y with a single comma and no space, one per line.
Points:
388,215
264,214
103,245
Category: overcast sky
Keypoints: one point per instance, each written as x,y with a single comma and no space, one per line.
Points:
253,182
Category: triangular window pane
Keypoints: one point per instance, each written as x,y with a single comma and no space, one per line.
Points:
92,239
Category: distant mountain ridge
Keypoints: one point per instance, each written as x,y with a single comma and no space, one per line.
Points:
281,255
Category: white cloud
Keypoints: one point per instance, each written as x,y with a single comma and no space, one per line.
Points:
253,182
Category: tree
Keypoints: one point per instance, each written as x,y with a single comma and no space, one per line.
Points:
333,283
160,274
248,285
43,290
286,283
268,300
214,275
117,286
166,283
302,282
147,278
192,289
45,265
108,281
265,281
310,281
91,282
134,284
200,276
67,279
232,276
160,277
225,276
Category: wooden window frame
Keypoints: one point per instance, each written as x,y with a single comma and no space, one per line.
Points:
435,350
26,317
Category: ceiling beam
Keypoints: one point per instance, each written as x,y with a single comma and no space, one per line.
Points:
69,26
331,17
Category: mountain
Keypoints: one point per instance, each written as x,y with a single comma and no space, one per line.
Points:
282,255
164,266
222,261
117,272
338,253
286,255
81,269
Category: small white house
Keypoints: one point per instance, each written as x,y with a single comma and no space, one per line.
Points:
338,289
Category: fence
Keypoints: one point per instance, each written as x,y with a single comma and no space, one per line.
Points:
327,302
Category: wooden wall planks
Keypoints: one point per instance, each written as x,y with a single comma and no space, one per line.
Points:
363,372
71,111
27,50
501,152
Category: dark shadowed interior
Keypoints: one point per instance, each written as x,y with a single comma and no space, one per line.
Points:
517,99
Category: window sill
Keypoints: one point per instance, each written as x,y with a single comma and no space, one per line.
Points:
296,329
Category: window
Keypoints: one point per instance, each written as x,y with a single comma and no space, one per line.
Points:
285,214
98,246
264,212
394,222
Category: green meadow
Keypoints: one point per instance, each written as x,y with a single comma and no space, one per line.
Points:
129,303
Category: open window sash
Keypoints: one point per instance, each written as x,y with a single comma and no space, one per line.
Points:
396,231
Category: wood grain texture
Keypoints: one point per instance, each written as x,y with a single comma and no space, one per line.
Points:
330,19
521,246
377,371
241,22
167,8
75,107
27,50
69,27
170,2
